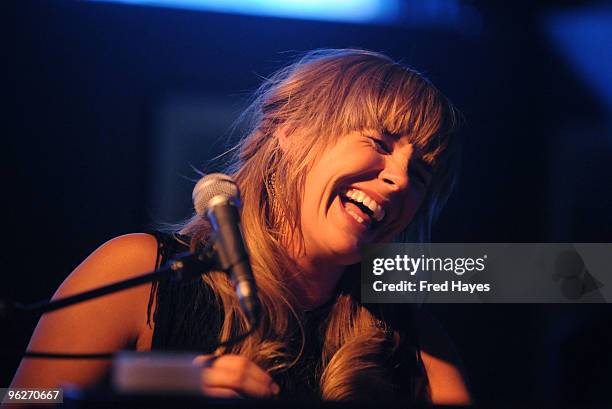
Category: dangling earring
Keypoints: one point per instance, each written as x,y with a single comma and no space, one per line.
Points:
274,210
272,187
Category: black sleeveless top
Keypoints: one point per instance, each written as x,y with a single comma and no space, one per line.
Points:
188,317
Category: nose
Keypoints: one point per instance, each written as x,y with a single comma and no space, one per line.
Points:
395,174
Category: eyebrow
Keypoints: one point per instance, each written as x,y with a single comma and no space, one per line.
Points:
418,159
418,152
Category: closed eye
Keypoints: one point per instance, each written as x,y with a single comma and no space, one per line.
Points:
380,145
421,175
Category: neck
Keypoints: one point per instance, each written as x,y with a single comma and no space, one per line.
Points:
315,282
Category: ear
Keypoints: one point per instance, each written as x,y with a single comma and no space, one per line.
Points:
282,134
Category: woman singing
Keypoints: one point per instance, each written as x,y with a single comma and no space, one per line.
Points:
345,148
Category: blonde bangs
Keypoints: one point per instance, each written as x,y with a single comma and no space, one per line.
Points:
388,99
330,93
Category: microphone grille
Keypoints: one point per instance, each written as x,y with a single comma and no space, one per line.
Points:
212,185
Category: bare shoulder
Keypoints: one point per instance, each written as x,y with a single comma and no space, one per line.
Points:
104,324
118,258
443,365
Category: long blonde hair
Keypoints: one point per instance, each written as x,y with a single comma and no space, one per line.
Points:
339,90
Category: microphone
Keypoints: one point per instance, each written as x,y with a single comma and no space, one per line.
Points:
217,198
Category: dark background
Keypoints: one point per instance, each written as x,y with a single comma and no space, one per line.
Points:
110,105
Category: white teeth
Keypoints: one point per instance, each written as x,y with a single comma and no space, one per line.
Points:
361,197
355,215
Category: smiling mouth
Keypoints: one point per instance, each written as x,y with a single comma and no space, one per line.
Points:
365,210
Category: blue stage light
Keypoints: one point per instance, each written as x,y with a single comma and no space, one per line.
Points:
355,11
583,38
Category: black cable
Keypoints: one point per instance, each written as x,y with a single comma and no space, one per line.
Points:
110,355
52,355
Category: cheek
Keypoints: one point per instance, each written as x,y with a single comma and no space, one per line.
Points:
311,197
412,205
409,209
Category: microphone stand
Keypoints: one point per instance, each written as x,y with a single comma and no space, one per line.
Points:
183,267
